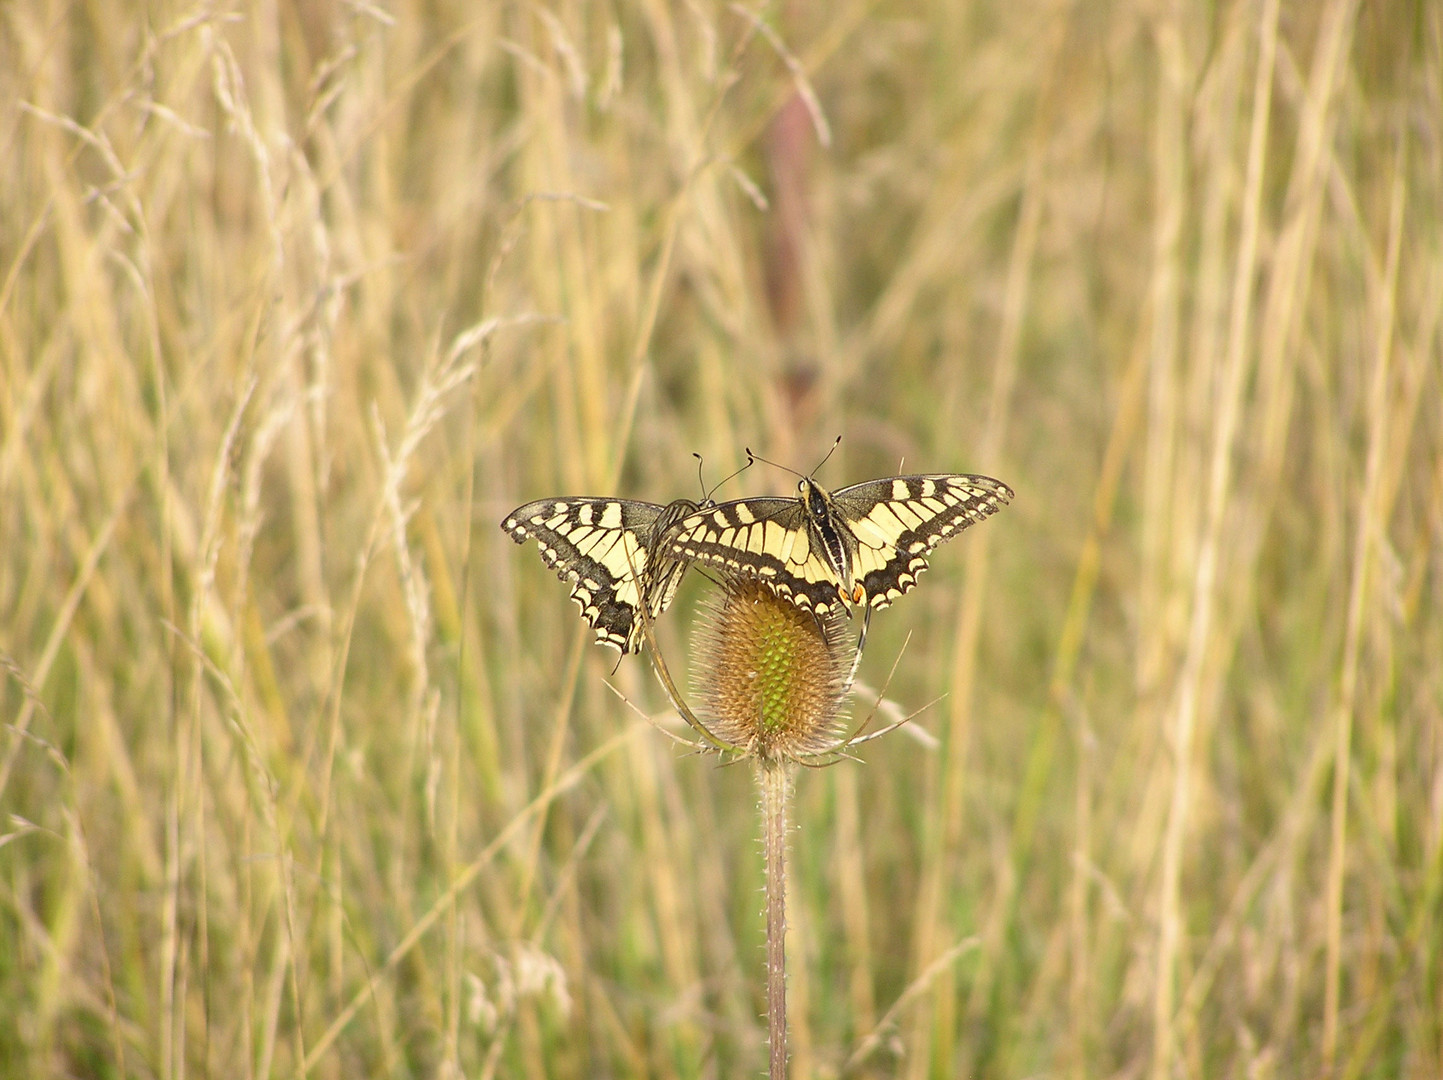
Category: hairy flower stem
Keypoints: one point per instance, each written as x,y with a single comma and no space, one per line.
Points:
772,678
775,781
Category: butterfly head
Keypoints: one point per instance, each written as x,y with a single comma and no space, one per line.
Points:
814,498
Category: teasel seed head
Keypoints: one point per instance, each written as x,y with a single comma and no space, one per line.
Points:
771,677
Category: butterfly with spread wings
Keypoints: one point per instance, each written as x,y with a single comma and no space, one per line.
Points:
612,551
863,544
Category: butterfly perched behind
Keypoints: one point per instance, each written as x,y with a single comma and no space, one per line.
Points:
611,551
863,544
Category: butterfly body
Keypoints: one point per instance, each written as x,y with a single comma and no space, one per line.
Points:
835,542
863,544
612,552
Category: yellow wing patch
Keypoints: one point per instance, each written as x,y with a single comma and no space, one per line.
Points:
611,552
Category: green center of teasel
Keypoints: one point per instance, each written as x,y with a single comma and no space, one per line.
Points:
772,676
786,654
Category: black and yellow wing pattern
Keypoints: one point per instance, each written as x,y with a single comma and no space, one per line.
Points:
863,544
610,550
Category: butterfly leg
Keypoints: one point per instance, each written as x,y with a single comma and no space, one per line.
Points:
861,642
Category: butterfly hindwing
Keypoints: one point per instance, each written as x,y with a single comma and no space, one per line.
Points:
609,550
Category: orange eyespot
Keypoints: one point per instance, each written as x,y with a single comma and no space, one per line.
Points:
859,593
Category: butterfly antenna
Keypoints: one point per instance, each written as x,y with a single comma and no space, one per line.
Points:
830,452
757,457
734,475
752,458
706,496
699,479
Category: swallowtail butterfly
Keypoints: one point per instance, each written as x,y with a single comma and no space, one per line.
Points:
864,544
611,550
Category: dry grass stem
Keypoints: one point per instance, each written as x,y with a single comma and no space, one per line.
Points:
306,771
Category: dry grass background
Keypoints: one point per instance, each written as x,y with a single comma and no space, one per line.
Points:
308,771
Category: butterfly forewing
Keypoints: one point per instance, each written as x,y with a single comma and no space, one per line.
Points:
765,538
865,543
608,549
898,521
